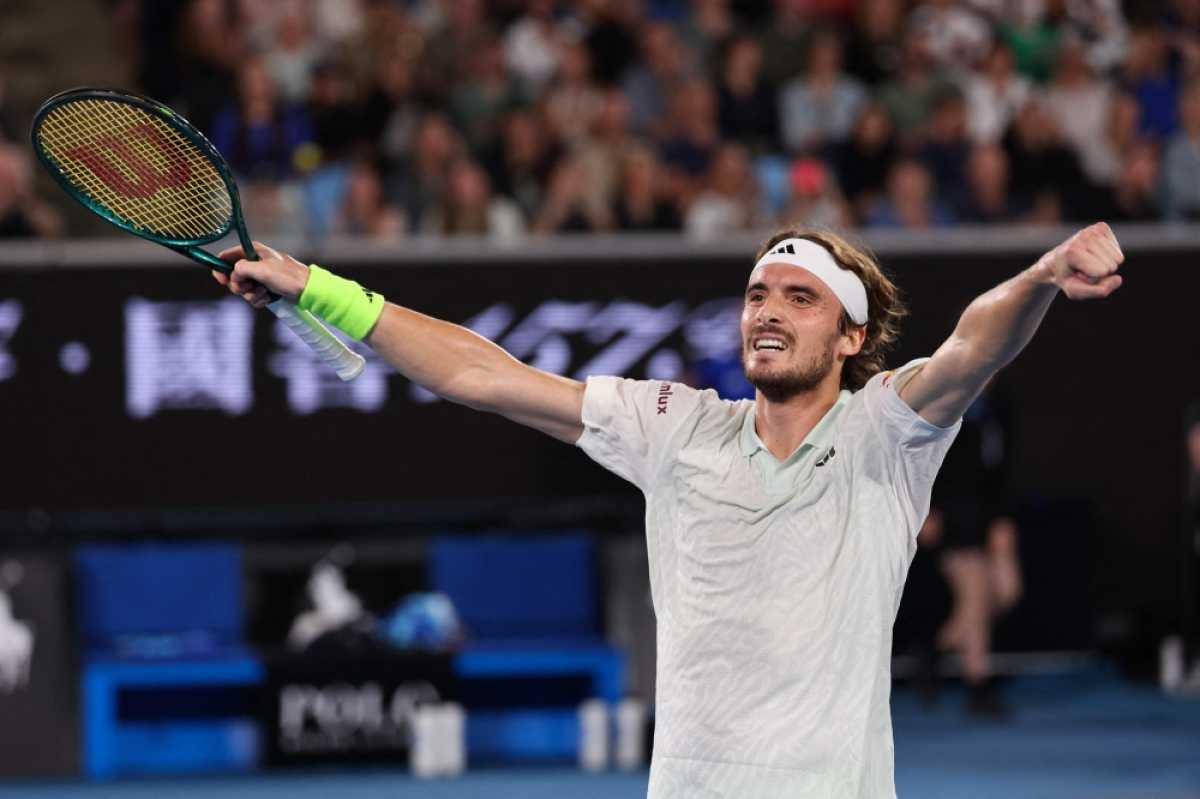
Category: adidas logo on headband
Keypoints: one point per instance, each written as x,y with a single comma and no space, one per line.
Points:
815,259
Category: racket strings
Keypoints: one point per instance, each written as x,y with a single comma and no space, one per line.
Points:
139,168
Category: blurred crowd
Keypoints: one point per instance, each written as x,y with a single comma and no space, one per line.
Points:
389,118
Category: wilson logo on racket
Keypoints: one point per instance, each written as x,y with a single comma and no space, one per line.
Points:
149,180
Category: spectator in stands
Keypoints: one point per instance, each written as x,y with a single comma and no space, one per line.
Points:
643,203
364,211
1108,145
1151,77
531,46
574,99
650,82
1079,102
203,54
1135,196
785,40
443,64
710,23
259,135
421,183
910,202
336,115
994,94
521,163
909,96
1033,33
819,108
610,29
479,104
958,35
1042,165
987,199
864,161
569,206
815,201
746,109
22,214
293,54
392,114
1182,162
691,138
469,207
946,148
601,153
729,203
876,45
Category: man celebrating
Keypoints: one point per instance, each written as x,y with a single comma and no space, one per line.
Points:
780,530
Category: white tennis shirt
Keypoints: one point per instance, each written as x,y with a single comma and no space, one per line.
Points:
775,584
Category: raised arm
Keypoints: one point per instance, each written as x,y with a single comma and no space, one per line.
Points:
999,323
449,360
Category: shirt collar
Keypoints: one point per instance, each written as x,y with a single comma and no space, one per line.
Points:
817,438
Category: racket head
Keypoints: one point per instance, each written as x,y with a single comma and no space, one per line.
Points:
139,165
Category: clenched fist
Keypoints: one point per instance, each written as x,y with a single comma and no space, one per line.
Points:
1085,265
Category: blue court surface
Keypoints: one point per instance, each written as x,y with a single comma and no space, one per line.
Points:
1084,735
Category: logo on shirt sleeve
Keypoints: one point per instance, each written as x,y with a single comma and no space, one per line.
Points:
664,396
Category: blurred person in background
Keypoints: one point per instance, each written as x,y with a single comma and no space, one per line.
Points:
469,208
337,121
746,110
946,148
1079,102
729,203
479,103
987,200
443,64
1181,164
959,36
610,34
814,201
864,160
364,211
1106,149
709,23
1136,196
531,46
875,46
600,154
22,213
520,164
293,53
994,95
1151,75
971,531
392,114
818,108
643,203
574,99
910,94
785,39
570,205
1033,32
910,202
421,181
202,54
259,135
691,138
1040,163
651,80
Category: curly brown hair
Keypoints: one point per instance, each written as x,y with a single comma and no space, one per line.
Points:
885,304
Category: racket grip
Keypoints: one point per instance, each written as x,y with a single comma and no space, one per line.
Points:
345,361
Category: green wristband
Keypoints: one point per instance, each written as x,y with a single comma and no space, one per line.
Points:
342,303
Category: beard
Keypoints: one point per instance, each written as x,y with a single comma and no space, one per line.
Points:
783,383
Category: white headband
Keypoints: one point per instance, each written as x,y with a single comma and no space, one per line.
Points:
814,258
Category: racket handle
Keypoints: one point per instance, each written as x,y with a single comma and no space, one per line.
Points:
345,361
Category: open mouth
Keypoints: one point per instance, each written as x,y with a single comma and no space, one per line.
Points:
768,343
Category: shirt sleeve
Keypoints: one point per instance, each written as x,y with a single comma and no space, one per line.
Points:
915,447
628,425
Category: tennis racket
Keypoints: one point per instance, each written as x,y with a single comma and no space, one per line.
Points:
147,170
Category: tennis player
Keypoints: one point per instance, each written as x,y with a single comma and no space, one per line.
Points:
780,530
